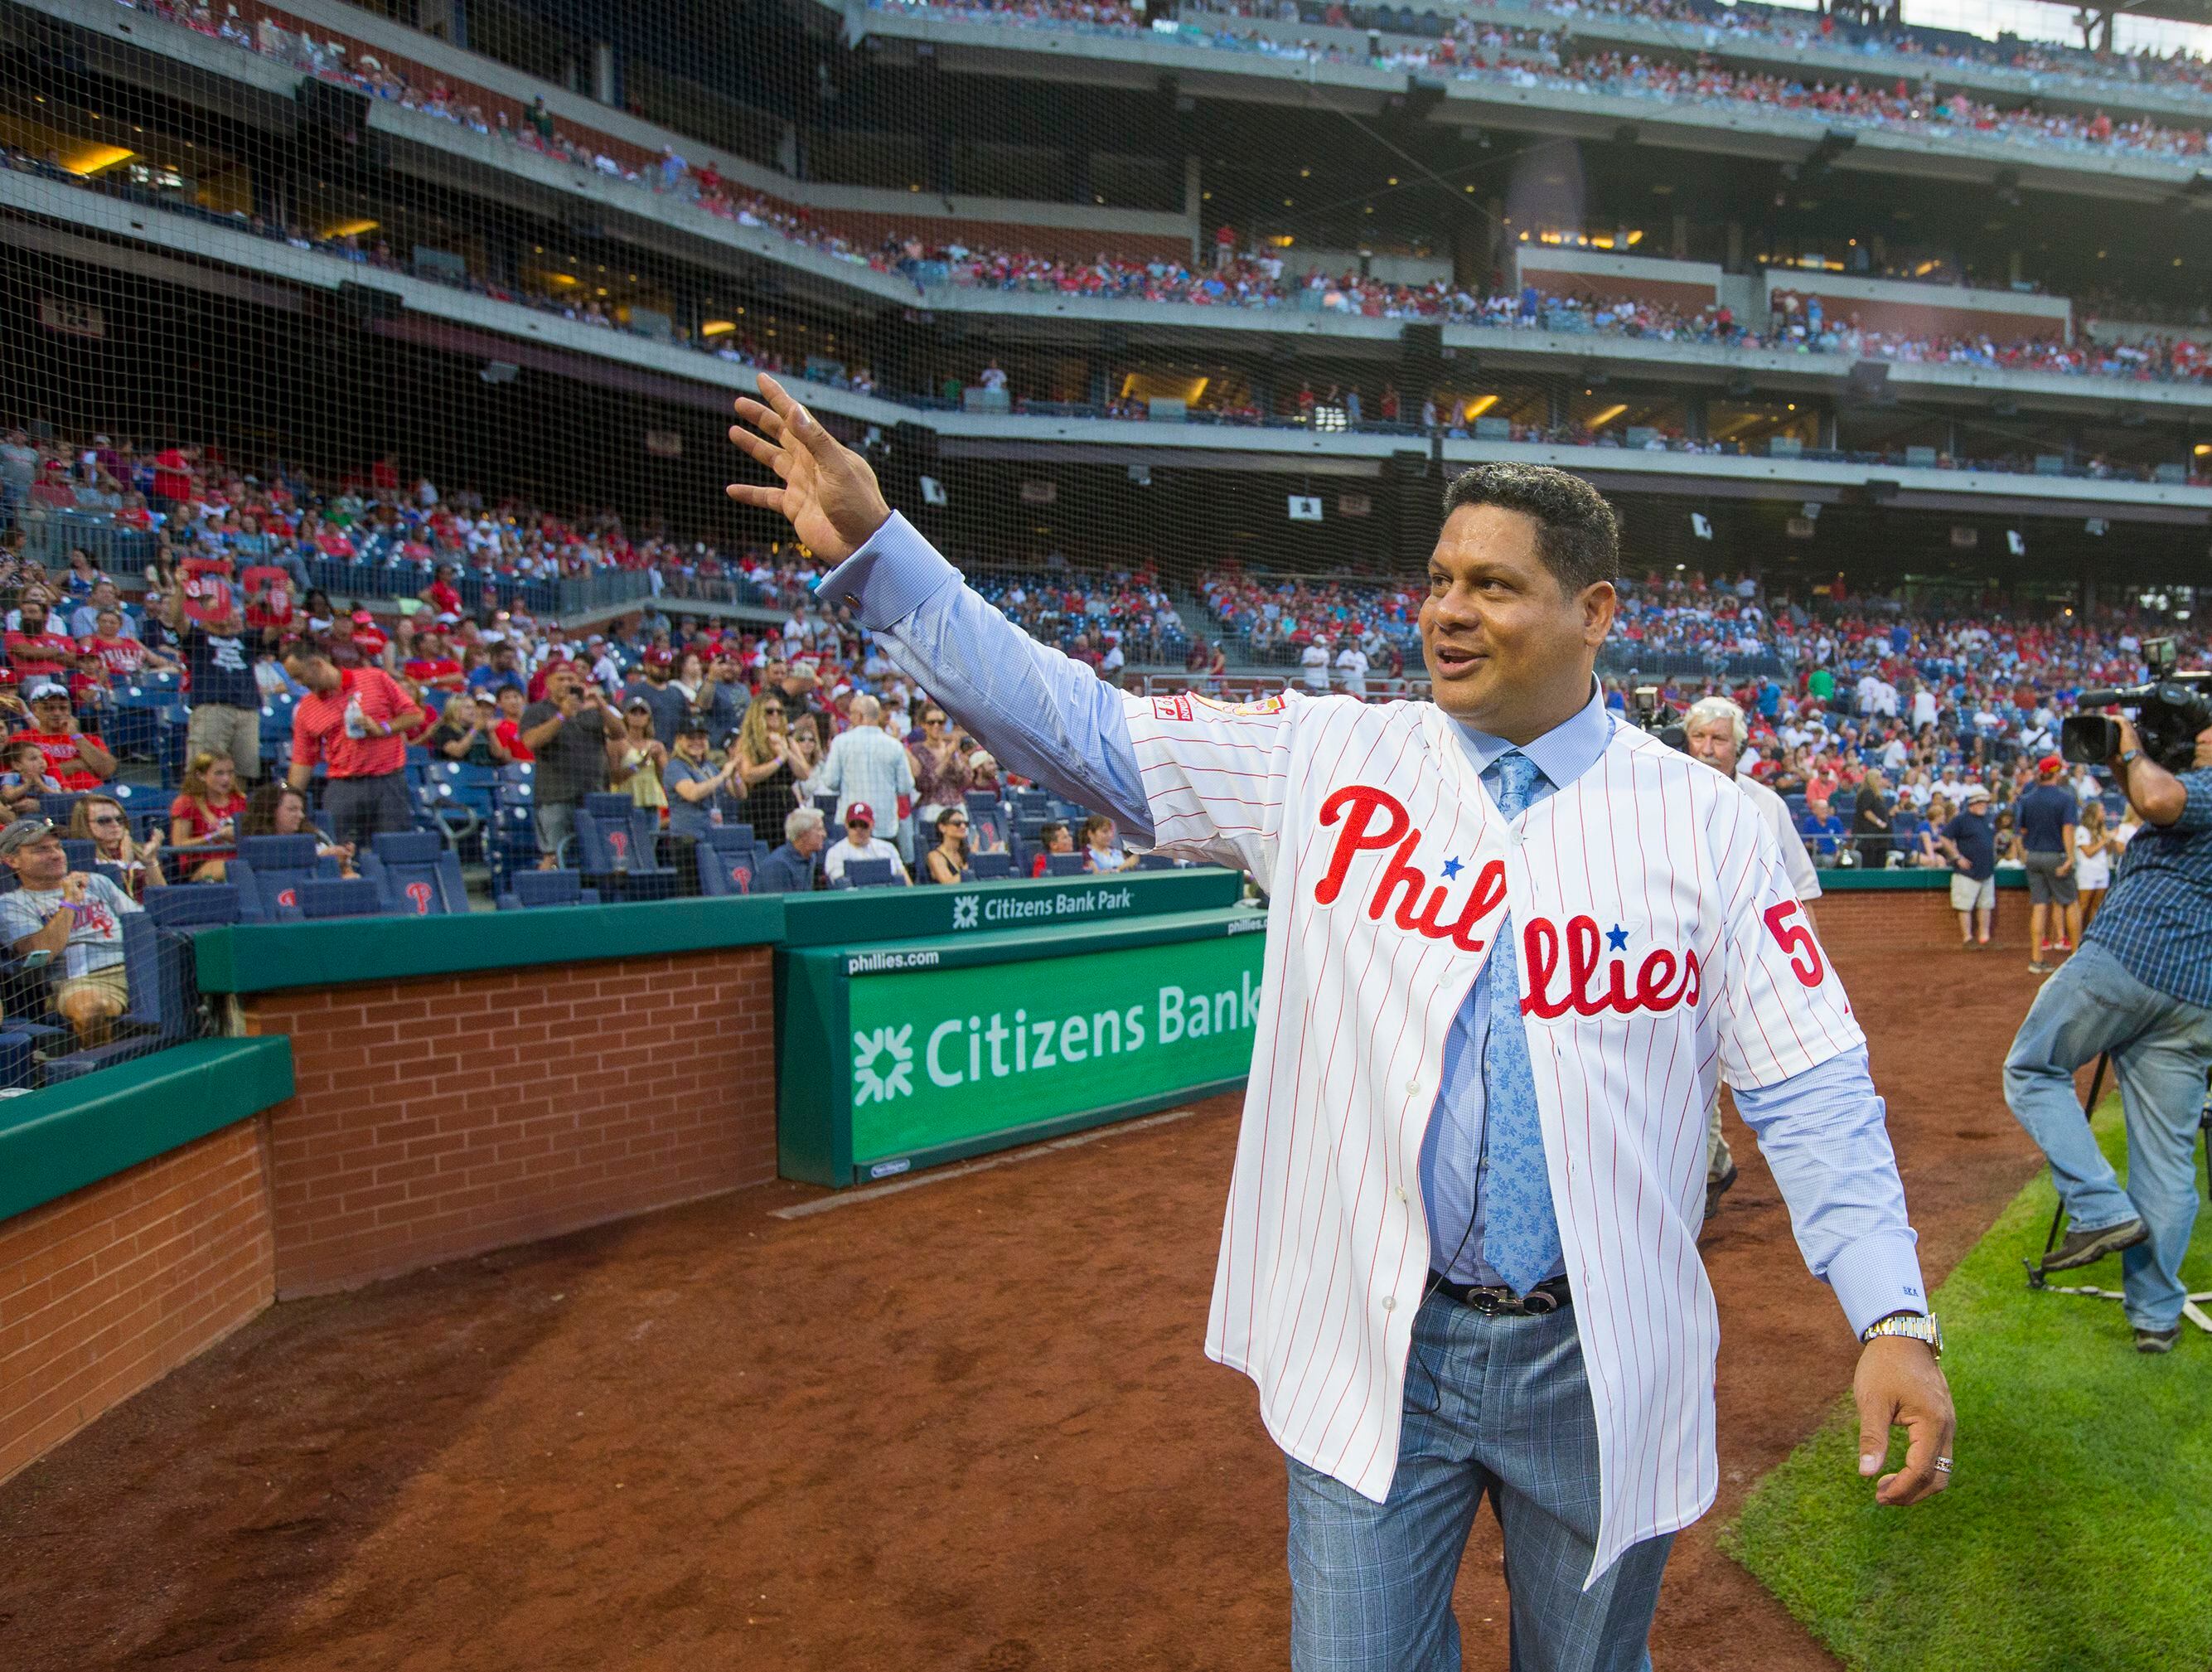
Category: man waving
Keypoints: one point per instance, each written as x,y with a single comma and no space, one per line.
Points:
1513,948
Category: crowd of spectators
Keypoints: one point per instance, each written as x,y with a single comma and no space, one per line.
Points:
1454,43
1256,278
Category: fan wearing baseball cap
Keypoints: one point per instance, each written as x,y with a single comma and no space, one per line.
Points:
2044,817
76,760
75,917
860,842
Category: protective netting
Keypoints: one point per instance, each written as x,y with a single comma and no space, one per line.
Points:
1168,323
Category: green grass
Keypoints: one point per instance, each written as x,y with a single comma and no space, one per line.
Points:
2078,1534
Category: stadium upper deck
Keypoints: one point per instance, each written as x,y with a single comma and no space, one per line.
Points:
464,123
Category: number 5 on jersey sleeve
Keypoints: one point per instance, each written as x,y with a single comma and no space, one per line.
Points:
1797,940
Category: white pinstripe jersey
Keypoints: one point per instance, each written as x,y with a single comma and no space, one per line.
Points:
1662,949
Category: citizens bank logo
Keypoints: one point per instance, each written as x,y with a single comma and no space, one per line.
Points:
874,1085
967,911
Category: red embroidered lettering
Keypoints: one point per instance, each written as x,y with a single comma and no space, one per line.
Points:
420,894
1593,988
1357,806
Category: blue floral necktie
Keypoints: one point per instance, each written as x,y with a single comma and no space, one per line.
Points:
1520,1234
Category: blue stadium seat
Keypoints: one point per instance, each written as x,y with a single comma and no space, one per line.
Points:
58,805
532,889
729,860
158,1006
416,874
1063,864
989,868
193,906
624,847
1156,862
268,870
870,873
350,897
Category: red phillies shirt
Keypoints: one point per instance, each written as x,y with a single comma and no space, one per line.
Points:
319,726
444,599
203,820
64,764
123,657
442,672
509,734
32,654
370,640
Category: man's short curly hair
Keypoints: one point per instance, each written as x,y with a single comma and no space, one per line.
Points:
1577,535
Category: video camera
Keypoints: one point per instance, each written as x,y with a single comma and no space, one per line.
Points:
1653,715
2169,712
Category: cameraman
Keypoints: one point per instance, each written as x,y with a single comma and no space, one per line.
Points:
2140,987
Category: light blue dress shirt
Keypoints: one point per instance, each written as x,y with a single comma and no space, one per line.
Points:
1051,720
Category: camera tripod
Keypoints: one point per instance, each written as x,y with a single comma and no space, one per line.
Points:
2193,1308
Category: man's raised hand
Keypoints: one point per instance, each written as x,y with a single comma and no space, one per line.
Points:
826,491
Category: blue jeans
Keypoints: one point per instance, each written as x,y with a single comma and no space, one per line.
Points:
2160,1050
1493,1405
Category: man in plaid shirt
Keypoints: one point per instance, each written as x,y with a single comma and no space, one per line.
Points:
2140,987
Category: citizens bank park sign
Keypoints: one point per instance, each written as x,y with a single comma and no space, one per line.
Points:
1046,1009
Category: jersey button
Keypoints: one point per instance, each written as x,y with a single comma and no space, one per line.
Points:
1413,1086
1389,1302
1401,1193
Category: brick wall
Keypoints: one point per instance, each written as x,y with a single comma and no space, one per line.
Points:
107,1289
435,1119
1863,926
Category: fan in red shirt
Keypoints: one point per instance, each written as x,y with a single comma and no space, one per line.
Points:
204,819
121,655
433,665
509,728
441,594
76,760
368,637
269,598
173,476
35,652
352,719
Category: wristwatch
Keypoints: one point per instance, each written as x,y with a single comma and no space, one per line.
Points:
1912,1325
2129,757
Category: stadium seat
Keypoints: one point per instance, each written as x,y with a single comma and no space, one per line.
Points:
532,889
619,852
990,867
329,896
154,966
268,871
871,873
417,874
58,805
193,906
728,859
1156,862
1063,864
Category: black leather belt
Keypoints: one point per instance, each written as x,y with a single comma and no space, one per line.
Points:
1497,1301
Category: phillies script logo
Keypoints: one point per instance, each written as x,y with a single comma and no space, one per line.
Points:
1375,820
418,894
1595,983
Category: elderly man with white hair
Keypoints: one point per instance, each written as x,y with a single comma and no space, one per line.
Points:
1714,731
866,764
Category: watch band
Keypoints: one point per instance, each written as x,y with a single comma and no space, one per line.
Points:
1913,1325
2129,757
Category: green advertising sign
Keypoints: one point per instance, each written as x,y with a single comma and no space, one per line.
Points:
942,1056
905,1054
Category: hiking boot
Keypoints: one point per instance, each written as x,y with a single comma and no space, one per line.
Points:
2085,1248
2157,1340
